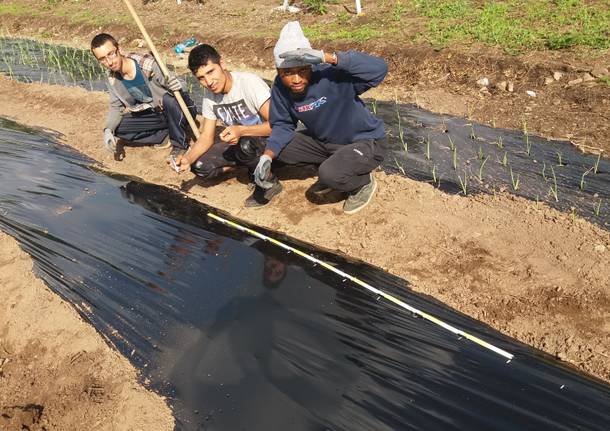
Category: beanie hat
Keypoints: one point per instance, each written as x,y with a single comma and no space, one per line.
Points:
291,38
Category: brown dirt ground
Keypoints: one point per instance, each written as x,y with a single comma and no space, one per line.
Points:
525,269
56,372
442,80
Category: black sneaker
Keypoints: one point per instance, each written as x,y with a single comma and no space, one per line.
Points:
356,201
319,189
261,197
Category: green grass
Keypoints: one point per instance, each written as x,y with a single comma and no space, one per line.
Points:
14,9
359,34
517,25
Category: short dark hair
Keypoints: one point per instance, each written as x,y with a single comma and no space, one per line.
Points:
200,55
101,39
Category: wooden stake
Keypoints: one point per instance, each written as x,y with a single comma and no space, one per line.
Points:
164,70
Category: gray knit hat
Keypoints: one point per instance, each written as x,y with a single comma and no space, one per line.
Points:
291,38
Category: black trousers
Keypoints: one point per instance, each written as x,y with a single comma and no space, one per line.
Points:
245,153
341,167
152,127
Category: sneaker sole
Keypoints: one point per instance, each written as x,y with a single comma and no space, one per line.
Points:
368,201
162,146
323,192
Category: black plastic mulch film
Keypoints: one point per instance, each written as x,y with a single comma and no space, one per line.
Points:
454,154
240,334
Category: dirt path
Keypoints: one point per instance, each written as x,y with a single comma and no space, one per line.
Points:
56,371
527,270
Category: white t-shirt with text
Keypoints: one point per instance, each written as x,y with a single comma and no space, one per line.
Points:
241,105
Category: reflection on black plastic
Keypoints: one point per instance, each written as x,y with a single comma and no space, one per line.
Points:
241,335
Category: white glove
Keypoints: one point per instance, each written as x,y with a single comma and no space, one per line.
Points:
173,83
262,171
109,141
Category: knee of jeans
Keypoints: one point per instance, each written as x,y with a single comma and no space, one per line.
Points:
205,170
330,177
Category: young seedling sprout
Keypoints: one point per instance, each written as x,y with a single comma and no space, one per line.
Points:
481,168
500,143
454,158
428,148
573,214
451,144
553,189
582,178
374,106
401,135
400,168
559,159
597,208
435,179
504,161
544,170
472,135
528,145
514,180
596,166
464,183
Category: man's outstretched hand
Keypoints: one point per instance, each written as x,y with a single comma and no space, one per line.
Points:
304,55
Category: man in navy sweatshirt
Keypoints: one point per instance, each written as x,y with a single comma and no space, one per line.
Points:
343,137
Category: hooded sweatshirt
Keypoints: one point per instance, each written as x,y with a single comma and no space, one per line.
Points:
330,107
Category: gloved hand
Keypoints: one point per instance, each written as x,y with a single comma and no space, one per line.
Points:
173,83
304,55
262,171
109,141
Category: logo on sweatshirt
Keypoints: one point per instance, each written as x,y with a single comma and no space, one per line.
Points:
313,105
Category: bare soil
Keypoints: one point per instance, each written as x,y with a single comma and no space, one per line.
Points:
525,269
56,371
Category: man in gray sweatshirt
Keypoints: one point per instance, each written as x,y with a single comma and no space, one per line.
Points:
143,109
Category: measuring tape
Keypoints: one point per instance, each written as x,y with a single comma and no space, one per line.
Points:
368,287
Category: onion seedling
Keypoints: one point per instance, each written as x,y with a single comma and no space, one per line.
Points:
559,159
514,180
582,178
464,183
481,168
528,145
454,158
400,168
596,166
544,170
597,208
553,189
